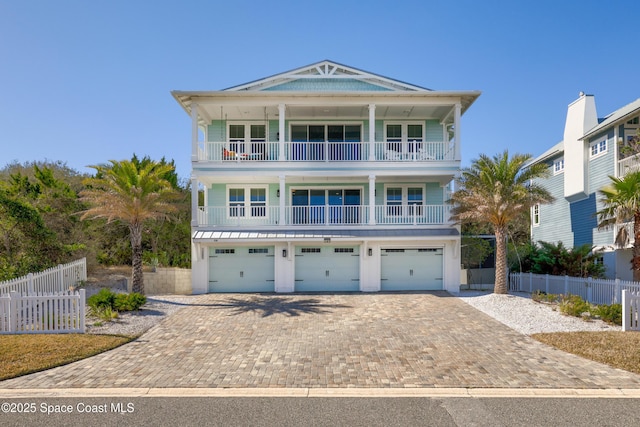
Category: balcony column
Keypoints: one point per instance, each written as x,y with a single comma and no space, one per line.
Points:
372,199
282,201
456,130
194,201
372,132
194,132
281,128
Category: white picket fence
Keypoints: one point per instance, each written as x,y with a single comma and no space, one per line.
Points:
596,291
41,303
630,311
53,313
55,279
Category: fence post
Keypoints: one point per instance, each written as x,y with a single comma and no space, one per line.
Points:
82,309
13,311
625,310
60,278
589,289
546,283
566,284
617,297
530,282
30,284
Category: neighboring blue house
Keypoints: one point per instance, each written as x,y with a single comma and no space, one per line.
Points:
580,165
324,178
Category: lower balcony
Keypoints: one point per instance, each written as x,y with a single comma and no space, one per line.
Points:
348,216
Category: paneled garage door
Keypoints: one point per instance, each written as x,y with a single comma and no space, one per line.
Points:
241,269
327,268
411,269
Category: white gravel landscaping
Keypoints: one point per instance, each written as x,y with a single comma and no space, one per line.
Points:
518,311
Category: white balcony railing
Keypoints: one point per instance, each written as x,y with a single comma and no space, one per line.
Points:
412,151
327,215
628,165
629,227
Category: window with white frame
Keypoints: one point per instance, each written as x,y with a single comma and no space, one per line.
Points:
247,202
404,200
598,147
535,215
404,137
247,138
558,166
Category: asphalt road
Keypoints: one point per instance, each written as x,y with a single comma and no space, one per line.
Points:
282,411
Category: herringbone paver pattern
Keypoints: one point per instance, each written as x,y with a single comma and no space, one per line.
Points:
334,340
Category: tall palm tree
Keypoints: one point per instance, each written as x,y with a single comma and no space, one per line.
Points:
496,191
621,200
131,193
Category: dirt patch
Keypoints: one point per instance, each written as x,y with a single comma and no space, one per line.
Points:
115,278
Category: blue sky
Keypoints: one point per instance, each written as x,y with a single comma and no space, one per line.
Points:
89,81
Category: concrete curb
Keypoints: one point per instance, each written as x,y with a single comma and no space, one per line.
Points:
323,392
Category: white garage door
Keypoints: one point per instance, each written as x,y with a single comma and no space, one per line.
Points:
241,269
327,268
411,269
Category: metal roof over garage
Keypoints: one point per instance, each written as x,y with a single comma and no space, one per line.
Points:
215,236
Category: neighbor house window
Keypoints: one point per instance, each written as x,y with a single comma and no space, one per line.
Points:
558,166
598,147
535,215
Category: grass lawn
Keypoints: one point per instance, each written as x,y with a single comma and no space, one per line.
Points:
24,354
614,348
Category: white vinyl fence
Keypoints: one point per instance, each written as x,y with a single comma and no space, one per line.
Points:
40,303
55,279
42,314
630,311
596,291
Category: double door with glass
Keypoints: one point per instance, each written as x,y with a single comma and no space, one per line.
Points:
326,206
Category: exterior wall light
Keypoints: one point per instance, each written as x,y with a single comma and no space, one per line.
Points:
370,252
284,253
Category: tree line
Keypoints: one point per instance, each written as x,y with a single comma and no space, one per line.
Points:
42,205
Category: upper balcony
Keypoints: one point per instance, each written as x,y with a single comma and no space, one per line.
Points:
628,165
326,151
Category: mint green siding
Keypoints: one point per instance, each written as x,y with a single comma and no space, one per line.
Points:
434,131
327,85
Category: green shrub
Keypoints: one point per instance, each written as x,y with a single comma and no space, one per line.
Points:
540,296
104,313
574,305
129,302
609,313
102,299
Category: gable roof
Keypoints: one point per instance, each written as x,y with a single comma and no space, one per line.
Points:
618,115
324,72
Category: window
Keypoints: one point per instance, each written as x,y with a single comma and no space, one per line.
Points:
598,147
225,251
258,250
404,201
404,137
253,206
343,142
535,215
256,139
310,250
326,206
558,166
343,250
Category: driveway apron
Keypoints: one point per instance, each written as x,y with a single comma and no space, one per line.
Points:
331,340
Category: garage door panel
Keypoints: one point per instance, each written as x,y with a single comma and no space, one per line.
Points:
411,269
327,269
242,269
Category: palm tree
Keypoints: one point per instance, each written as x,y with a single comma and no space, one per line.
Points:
132,193
621,200
496,191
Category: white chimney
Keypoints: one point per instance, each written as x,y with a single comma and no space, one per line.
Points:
581,117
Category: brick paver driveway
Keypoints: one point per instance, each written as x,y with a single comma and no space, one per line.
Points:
334,340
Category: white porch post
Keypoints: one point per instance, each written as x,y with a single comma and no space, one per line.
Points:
372,199
194,132
456,124
281,128
282,201
372,131
194,201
